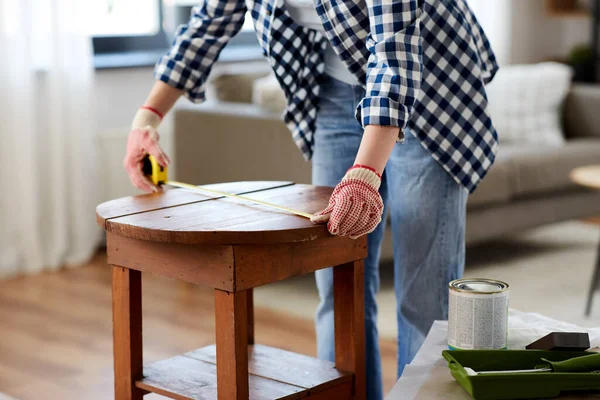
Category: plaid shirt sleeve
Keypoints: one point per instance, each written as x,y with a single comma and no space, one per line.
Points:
197,46
395,64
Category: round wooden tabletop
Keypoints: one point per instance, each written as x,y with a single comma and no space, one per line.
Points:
185,216
587,176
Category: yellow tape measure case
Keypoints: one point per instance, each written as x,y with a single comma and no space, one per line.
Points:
156,173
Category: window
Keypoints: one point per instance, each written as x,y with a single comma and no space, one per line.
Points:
128,33
123,17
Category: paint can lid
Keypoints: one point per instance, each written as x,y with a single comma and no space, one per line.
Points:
477,285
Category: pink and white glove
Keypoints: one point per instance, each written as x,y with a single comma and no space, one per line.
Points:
355,206
143,140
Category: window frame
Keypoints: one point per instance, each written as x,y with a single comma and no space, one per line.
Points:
144,50
120,44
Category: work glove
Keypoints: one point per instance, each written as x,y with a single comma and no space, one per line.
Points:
143,140
355,206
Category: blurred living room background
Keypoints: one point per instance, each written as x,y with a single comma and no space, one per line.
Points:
72,77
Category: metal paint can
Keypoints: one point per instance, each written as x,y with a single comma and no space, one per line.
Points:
477,314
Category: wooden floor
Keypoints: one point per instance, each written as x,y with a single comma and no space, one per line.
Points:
56,331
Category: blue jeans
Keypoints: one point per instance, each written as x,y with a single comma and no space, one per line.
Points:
426,209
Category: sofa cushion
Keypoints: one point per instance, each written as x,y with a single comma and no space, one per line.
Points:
536,169
268,95
525,102
235,88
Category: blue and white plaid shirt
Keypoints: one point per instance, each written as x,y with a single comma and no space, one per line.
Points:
424,64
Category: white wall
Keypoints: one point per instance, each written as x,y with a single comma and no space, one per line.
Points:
536,36
118,93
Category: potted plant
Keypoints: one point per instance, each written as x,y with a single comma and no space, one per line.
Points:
581,58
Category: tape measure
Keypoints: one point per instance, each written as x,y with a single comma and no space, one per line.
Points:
160,176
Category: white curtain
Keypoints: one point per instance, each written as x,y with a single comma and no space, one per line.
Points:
48,175
495,18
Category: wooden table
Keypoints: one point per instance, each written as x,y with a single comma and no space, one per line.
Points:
232,246
590,177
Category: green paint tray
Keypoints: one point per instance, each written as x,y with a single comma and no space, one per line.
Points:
532,385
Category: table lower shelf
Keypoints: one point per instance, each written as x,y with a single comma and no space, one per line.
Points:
274,374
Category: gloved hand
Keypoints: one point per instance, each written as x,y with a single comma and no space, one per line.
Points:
355,207
143,139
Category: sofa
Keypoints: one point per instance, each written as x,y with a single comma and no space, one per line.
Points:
232,139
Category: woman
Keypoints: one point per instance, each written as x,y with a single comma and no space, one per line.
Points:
387,98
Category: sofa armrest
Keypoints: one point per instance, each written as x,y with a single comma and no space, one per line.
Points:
582,111
223,142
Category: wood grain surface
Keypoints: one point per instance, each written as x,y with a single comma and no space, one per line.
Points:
349,321
199,264
231,316
184,378
274,374
587,176
174,198
233,267
592,220
222,221
342,391
127,332
257,265
284,366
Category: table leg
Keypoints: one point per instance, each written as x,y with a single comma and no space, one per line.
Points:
250,315
594,284
231,313
127,332
349,320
